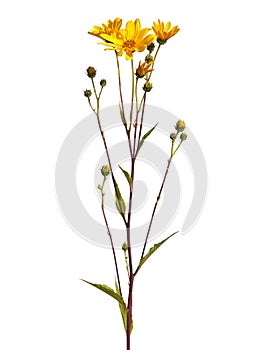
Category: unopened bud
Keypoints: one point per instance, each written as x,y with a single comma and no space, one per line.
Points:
180,125
87,93
183,136
173,136
151,47
103,82
148,58
147,87
100,187
91,72
105,170
125,247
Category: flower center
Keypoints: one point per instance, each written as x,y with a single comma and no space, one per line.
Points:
129,44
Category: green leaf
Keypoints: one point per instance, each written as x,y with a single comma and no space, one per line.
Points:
127,175
104,288
119,201
145,137
120,205
122,115
123,310
152,250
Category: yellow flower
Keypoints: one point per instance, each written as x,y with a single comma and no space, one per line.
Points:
129,40
164,32
143,69
112,27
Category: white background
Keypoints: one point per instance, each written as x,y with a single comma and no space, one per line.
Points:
203,290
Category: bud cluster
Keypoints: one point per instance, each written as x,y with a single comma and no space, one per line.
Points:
179,127
91,73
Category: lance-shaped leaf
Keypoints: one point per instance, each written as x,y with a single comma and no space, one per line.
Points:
108,290
122,115
119,201
127,175
152,250
123,310
144,138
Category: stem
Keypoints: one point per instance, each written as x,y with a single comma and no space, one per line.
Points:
132,98
131,276
120,87
129,313
133,159
97,113
109,161
109,233
154,59
141,124
127,264
143,101
158,197
122,104
137,115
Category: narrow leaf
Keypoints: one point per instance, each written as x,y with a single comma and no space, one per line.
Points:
123,310
152,250
145,137
120,204
127,175
122,115
104,288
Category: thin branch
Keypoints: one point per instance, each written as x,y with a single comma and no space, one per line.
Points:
159,195
122,104
109,233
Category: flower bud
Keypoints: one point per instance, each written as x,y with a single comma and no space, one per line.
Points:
91,72
103,82
147,87
149,58
180,125
100,187
183,136
151,47
125,247
173,136
87,93
105,170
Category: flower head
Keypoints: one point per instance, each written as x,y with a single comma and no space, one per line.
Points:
112,27
164,32
129,40
143,69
